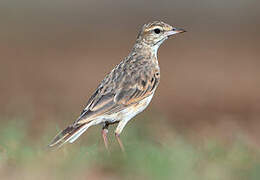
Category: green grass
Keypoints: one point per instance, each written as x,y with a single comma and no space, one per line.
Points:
146,157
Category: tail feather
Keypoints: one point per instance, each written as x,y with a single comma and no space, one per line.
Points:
71,133
79,133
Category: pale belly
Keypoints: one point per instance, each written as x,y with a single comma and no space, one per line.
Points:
129,112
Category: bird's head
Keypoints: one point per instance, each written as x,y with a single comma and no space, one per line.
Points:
153,34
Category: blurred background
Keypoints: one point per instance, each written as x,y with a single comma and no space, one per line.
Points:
203,122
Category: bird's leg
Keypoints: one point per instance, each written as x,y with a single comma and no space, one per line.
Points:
118,131
120,142
104,135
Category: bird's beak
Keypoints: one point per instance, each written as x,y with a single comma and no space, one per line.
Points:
175,31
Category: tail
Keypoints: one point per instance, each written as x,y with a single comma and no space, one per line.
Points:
70,134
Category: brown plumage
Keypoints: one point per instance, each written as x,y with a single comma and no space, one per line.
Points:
126,90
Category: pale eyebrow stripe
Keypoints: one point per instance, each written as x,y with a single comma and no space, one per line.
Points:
154,27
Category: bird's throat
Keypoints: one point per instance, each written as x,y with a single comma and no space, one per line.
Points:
146,50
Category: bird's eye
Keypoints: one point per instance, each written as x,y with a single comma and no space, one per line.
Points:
157,31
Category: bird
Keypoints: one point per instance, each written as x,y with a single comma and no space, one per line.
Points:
126,91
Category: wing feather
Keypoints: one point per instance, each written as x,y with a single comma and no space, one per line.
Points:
120,89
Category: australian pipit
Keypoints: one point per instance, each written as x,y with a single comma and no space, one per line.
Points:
126,90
